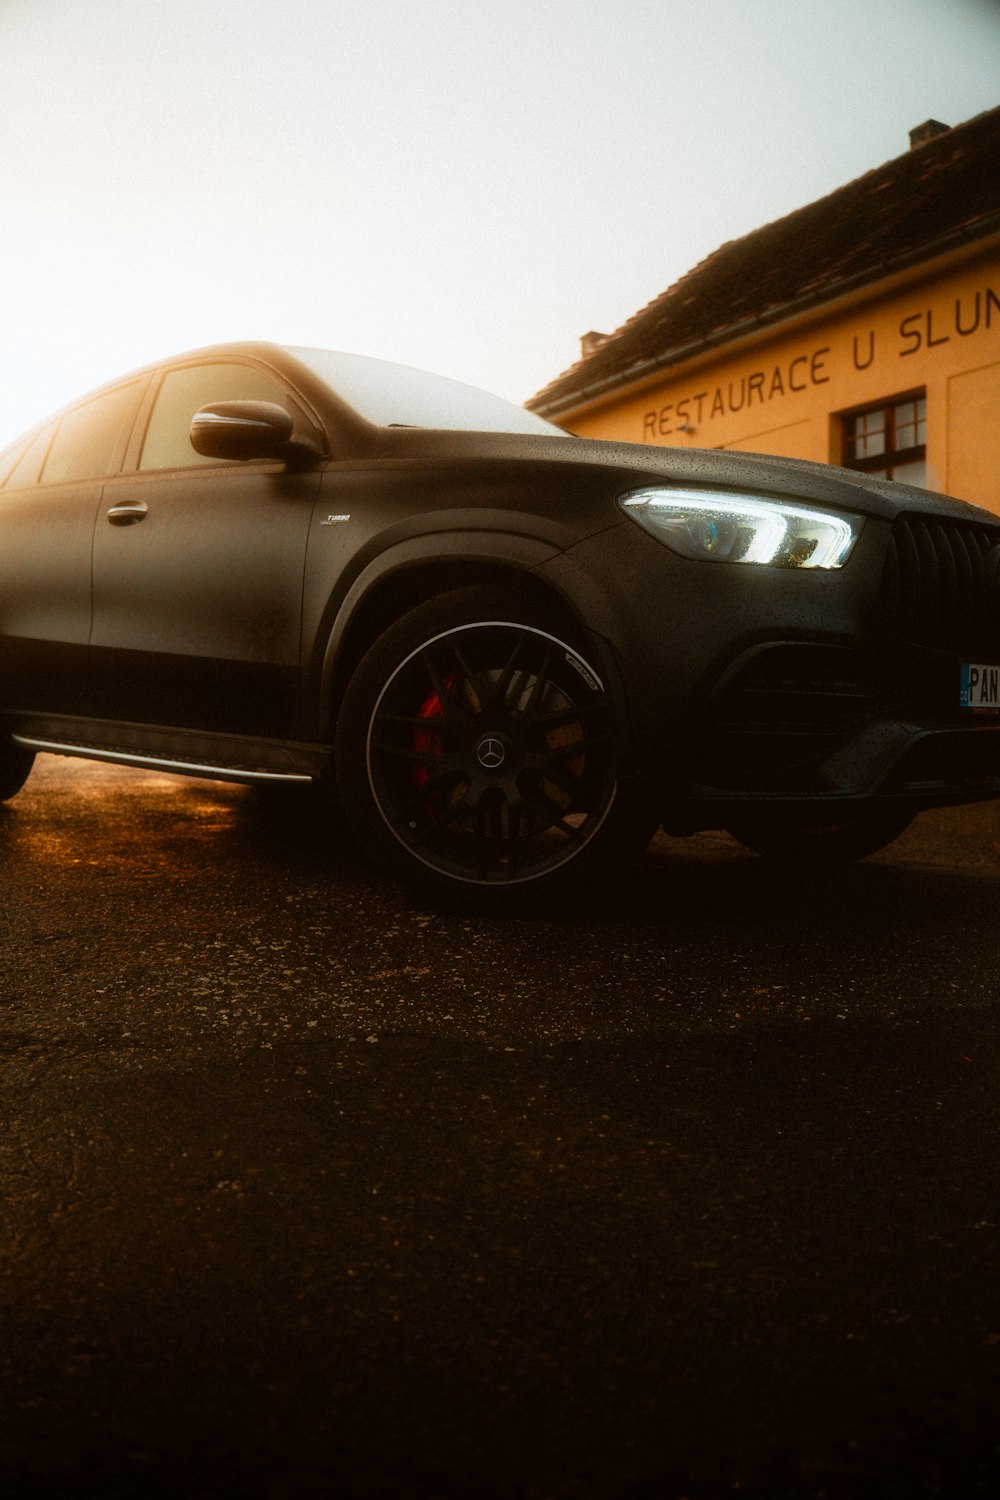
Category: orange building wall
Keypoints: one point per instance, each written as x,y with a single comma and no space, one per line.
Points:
784,391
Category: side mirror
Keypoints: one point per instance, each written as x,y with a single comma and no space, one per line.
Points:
245,430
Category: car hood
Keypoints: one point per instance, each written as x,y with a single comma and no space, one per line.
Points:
631,464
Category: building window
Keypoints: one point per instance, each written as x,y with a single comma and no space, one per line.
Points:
889,440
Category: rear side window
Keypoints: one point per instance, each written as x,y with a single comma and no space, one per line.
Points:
27,466
182,393
91,437
11,456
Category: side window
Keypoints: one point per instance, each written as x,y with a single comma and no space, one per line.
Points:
90,437
182,393
26,469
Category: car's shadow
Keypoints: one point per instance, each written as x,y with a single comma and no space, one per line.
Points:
706,883
942,872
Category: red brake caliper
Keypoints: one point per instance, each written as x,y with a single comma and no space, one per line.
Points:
426,741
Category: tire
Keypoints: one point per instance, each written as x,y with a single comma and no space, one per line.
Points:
15,768
802,845
477,756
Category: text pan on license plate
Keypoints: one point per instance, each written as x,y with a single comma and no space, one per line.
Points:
980,685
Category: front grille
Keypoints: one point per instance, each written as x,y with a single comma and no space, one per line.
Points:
940,584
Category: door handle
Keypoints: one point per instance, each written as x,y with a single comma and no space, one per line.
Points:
127,513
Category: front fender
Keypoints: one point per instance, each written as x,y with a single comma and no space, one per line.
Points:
458,556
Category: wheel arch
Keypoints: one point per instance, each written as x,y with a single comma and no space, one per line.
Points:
396,584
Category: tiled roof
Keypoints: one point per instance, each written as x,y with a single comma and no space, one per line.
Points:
936,195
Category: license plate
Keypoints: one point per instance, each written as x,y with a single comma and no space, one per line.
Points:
980,686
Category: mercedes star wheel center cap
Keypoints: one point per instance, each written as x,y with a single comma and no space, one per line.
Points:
491,752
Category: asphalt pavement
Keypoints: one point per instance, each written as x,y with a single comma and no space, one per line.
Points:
310,1190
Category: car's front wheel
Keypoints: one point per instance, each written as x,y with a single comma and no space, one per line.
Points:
478,755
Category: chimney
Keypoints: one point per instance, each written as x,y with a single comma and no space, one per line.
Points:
591,341
921,134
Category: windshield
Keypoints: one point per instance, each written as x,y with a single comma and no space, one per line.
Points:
397,396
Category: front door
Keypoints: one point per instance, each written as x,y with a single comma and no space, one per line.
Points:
198,568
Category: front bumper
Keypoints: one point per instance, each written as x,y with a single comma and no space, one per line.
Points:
762,685
807,721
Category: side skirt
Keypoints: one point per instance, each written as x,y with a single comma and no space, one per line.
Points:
217,757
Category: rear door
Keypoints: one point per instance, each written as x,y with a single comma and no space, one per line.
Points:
49,499
198,567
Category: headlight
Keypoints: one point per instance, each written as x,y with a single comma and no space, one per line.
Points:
717,526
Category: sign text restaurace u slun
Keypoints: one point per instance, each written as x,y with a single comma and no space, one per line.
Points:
924,330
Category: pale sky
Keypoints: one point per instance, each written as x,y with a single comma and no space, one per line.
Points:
462,185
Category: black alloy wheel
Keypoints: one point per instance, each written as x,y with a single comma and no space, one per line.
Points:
477,752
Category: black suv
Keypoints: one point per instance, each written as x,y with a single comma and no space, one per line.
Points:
510,654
